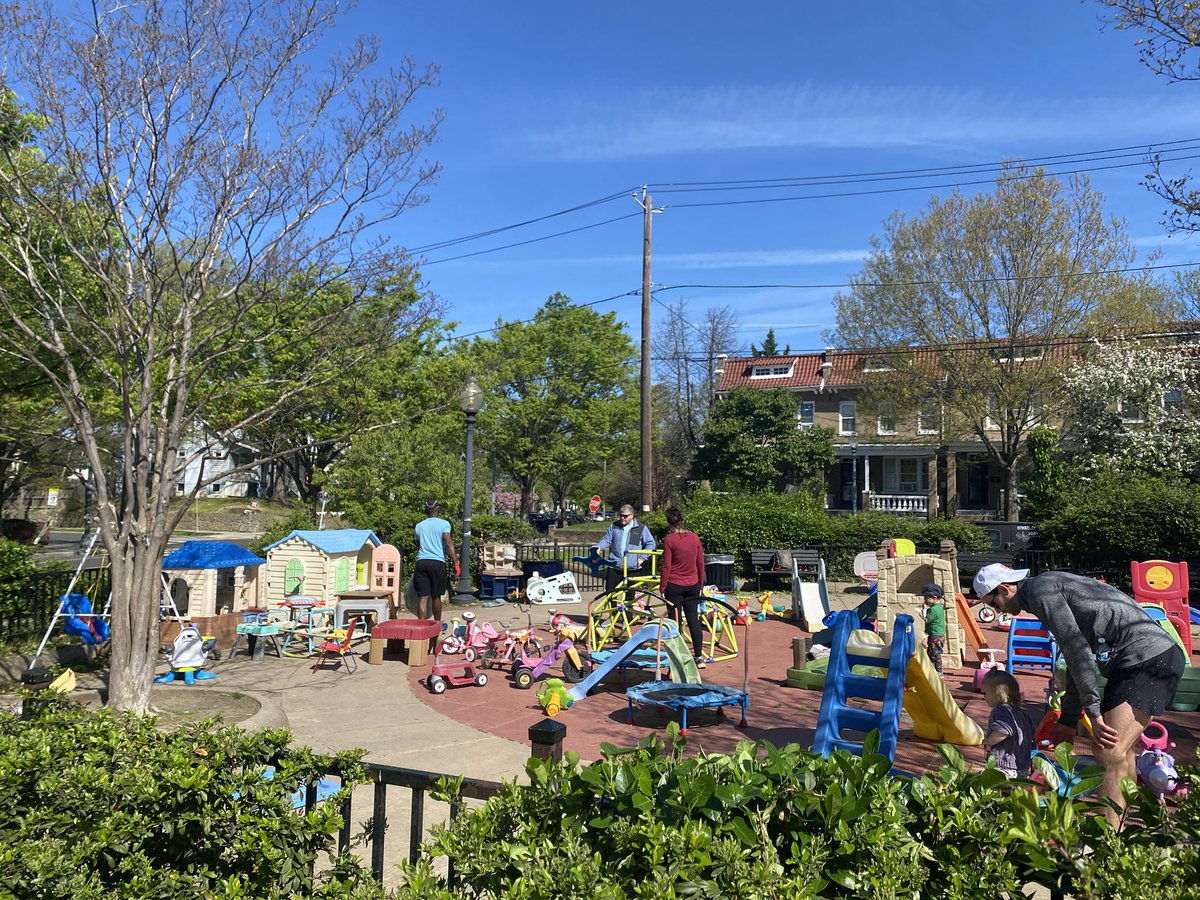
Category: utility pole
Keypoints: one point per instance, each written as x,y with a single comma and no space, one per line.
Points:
648,209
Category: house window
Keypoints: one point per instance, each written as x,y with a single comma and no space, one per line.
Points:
1019,353
848,416
991,421
179,487
216,487
929,416
876,364
1172,401
906,475
807,413
773,371
1130,413
887,418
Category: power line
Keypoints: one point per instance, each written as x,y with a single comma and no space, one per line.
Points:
899,174
450,242
928,283
434,262
909,188
604,300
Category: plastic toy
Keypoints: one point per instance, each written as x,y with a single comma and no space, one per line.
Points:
742,616
187,655
770,607
553,696
455,674
473,640
527,669
1156,767
560,588
506,647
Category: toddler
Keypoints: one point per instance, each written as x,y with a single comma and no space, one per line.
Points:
935,623
1008,737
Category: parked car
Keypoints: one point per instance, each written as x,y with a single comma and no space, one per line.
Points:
20,530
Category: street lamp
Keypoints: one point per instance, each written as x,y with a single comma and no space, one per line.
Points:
854,473
471,399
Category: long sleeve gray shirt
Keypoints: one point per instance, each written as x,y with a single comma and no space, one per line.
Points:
1089,619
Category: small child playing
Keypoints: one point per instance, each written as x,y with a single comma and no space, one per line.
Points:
934,614
1009,734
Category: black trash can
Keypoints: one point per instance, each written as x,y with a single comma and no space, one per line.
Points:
718,570
544,567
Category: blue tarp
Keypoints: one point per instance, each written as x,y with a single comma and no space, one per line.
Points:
210,555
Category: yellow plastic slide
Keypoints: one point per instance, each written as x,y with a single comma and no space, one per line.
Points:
935,715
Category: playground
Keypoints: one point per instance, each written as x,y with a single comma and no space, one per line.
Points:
776,712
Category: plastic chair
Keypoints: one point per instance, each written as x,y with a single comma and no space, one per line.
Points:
338,644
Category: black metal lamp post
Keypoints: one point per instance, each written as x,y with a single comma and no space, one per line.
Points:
471,399
853,473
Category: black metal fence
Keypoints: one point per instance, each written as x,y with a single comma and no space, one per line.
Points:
37,600
564,553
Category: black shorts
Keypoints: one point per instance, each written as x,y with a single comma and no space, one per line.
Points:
429,578
1149,687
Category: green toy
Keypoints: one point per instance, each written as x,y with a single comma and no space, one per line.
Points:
553,696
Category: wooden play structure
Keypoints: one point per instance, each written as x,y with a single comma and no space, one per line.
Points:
320,564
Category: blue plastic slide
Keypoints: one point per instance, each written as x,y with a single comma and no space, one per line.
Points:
648,632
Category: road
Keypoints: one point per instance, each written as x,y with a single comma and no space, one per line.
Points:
64,544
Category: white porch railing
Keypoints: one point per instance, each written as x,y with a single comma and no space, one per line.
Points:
917,504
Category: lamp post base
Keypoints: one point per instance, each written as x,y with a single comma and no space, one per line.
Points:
464,593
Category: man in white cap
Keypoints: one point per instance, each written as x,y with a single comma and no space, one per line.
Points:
1097,628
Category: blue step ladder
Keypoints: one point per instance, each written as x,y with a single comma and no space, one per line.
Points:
842,685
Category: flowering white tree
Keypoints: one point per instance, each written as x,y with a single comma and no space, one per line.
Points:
1131,407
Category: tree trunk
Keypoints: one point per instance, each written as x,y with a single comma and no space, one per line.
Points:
136,566
1012,503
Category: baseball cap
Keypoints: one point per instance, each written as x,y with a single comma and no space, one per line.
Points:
933,590
990,577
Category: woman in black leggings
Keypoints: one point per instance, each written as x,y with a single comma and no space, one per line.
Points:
683,577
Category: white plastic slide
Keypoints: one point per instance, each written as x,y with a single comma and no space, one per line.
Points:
935,715
813,605
648,632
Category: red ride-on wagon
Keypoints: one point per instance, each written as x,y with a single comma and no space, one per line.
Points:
455,674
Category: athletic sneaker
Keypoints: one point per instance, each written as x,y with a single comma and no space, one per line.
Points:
700,663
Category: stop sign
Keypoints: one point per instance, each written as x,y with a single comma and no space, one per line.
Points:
594,504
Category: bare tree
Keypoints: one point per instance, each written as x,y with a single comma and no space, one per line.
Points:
201,185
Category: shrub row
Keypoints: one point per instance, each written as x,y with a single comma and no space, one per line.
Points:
782,822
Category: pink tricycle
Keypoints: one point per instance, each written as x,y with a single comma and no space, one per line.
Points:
511,645
474,640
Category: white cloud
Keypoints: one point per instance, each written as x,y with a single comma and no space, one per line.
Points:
743,117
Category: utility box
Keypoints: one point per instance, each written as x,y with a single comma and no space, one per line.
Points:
718,570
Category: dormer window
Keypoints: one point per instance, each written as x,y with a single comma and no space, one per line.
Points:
876,364
1019,353
772,371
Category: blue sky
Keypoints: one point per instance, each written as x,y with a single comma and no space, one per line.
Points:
549,106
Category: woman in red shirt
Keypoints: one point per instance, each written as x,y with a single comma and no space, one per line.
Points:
683,576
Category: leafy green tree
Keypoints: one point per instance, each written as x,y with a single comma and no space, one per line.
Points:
193,166
1002,285
769,347
559,395
1045,479
752,443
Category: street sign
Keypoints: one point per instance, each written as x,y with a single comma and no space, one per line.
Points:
594,504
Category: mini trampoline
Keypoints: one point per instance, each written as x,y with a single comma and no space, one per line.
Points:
668,695
684,696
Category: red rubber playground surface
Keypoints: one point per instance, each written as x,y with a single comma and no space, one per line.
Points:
777,713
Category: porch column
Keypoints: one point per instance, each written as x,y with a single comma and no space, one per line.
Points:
931,494
864,498
951,483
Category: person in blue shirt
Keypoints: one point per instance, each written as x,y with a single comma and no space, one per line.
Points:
623,535
434,546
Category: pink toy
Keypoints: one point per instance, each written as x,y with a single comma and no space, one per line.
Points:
474,639
506,648
455,674
986,666
1155,767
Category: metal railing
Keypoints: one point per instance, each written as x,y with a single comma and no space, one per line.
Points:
546,738
38,598
563,553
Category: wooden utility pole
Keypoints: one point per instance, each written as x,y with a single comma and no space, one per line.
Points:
648,209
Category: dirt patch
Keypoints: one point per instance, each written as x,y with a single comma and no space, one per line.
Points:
181,704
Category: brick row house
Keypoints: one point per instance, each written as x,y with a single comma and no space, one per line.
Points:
888,460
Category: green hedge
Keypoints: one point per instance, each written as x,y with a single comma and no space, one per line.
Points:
100,806
782,822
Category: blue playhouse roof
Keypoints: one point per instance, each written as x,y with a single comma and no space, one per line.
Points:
338,540
210,555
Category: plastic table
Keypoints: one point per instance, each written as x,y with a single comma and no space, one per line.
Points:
418,631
